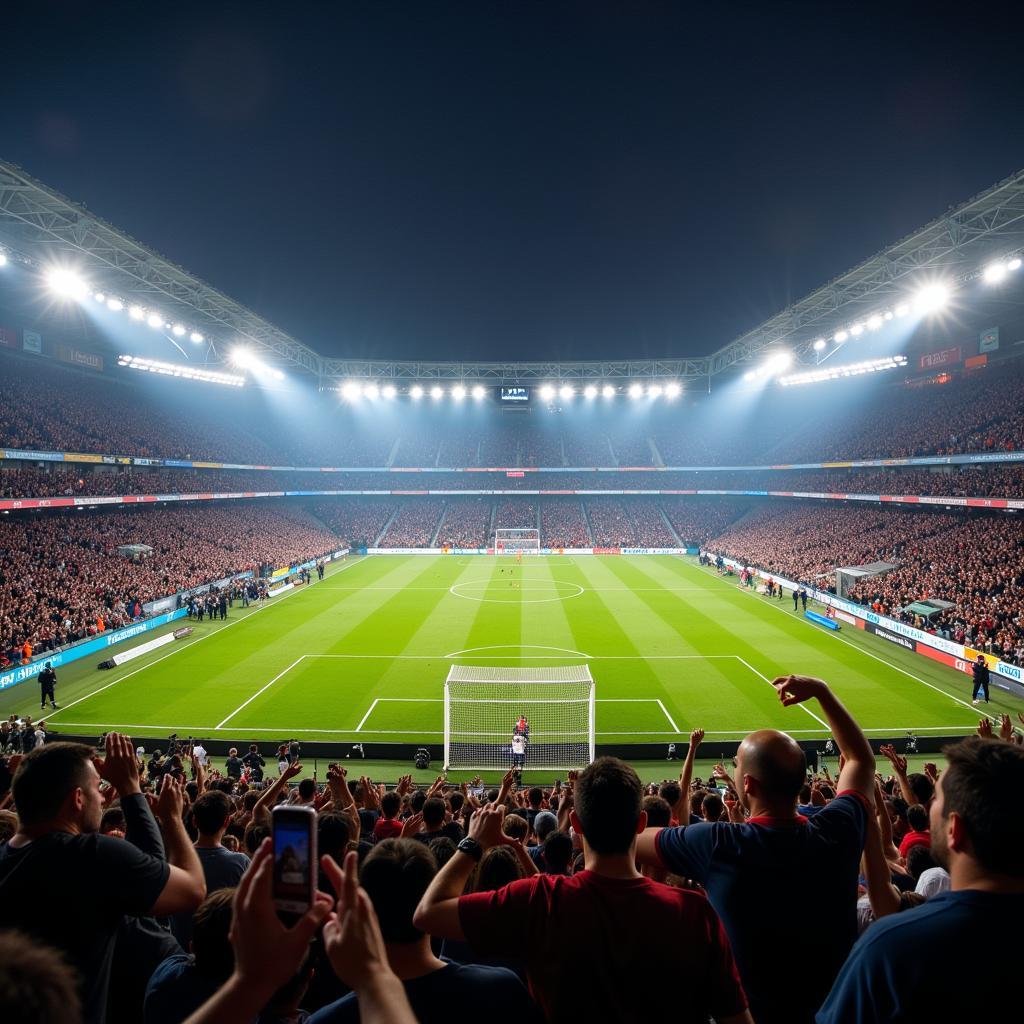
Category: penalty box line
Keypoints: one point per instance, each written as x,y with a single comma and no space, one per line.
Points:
440,700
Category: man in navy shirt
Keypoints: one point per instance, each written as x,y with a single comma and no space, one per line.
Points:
784,886
910,966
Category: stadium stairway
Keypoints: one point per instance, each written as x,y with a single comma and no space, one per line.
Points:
586,519
387,526
440,523
668,522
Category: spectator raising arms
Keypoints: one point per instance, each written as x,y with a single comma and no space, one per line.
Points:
776,877
587,938
910,966
63,884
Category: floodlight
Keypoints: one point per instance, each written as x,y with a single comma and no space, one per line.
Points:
887,315
590,391
479,392
857,329
100,297
241,357
608,391
995,272
931,298
3,260
350,391
196,337
178,331
1014,264
840,337
636,390
436,392
389,391
371,391
547,392
458,392
415,391
136,312
654,391
819,344
673,390
566,392
902,309
155,320
115,305
277,374
66,283
874,322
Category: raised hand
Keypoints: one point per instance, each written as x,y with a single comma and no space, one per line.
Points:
984,728
120,766
898,762
267,953
797,689
411,826
1005,727
292,769
696,738
169,803
485,826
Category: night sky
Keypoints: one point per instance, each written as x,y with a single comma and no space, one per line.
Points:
513,180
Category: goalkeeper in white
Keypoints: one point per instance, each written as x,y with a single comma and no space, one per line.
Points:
518,750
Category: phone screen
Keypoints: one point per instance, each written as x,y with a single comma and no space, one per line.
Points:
294,859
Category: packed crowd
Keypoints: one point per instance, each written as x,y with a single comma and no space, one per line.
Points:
358,522
771,893
23,480
466,523
974,561
415,525
62,578
563,524
610,525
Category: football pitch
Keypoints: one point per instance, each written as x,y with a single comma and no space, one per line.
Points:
363,655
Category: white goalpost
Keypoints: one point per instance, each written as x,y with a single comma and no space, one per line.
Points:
512,542
536,718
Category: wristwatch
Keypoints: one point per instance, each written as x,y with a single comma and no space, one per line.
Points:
472,847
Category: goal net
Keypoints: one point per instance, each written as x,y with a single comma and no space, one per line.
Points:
536,718
511,542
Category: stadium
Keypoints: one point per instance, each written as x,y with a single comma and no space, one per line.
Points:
468,580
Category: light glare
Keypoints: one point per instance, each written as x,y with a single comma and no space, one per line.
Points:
155,320
478,392
416,391
436,392
547,392
458,392
196,337
931,298
565,392
66,283
590,391
840,337
608,391
673,390
636,390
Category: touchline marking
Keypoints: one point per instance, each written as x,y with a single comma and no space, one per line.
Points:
889,664
220,725
178,650
362,721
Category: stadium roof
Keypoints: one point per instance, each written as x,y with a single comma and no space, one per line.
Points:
39,225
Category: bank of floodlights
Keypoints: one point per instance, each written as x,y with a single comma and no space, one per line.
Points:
771,367
246,359
185,372
846,370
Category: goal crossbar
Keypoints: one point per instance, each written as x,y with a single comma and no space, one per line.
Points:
501,716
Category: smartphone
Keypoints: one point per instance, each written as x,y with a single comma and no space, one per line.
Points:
295,860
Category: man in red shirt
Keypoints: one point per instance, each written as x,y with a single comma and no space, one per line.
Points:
919,834
586,938
387,825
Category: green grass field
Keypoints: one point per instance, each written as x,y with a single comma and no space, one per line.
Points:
363,657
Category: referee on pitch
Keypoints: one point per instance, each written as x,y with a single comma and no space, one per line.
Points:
980,679
47,684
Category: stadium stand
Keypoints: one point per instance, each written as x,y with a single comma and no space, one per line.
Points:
62,579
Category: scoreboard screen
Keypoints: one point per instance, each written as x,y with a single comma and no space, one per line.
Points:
515,394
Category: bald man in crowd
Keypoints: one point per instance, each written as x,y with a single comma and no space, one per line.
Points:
784,886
